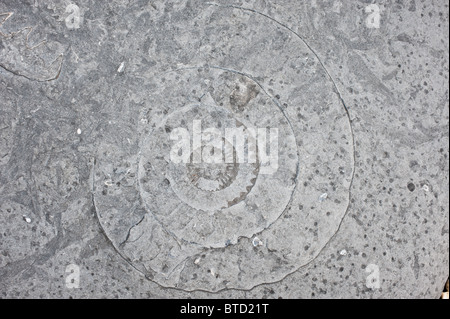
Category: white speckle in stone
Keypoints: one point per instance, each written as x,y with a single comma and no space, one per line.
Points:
79,131
109,183
121,67
197,261
323,197
27,219
426,188
257,242
343,252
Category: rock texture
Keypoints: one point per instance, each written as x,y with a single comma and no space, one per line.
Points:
93,95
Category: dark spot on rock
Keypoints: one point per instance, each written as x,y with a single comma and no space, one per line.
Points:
411,187
244,91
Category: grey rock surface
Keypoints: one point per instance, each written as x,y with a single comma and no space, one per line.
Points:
92,95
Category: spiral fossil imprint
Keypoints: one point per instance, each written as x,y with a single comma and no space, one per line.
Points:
192,226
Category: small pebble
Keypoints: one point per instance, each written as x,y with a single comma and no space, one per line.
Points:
343,252
27,219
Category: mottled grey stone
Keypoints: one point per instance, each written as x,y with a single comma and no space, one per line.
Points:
90,93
